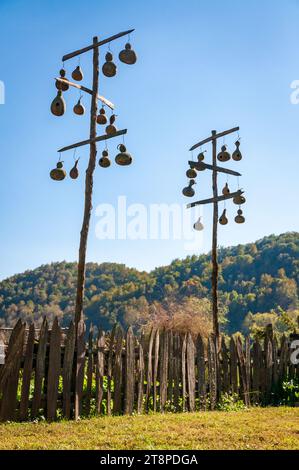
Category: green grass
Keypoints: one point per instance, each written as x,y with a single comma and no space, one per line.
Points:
256,428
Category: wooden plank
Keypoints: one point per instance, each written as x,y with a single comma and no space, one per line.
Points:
80,364
87,90
205,166
149,378
214,199
156,364
233,366
275,363
68,363
214,137
27,373
190,359
10,373
201,373
118,372
98,44
242,369
100,369
283,360
268,368
176,370
248,365
225,380
183,371
92,141
170,367
40,369
130,372
141,375
212,372
163,370
90,366
110,369
54,370
256,371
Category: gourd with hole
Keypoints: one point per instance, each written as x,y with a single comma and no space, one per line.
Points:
237,156
58,105
61,85
101,117
79,109
77,74
239,200
128,55
223,220
224,155
191,173
109,68
240,219
104,161
58,173
74,173
123,158
188,191
225,190
111,128
198,225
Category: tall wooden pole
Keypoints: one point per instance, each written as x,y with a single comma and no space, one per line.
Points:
88,188
214,244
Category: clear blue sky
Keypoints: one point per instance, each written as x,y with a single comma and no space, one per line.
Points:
202,65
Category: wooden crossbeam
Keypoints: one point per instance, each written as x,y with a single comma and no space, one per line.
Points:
215,199
87,90
89,141
214,137
98,44
200,165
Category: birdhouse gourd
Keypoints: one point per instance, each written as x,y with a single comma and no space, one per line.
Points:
111,128
188,191
77,74
74,173
240,219
102,118
200,158
62,85
224,155
123,158
198,225
225,190
223,220
127,55
58,173
191,173
109,68
58,105
79,108
104,161
239,200
237,156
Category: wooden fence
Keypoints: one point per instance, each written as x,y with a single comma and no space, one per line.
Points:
118,373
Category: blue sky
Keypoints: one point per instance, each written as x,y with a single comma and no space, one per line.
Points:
202,65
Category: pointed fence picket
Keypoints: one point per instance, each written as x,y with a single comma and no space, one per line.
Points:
47,374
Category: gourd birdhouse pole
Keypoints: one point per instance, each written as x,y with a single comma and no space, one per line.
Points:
58,108
237,196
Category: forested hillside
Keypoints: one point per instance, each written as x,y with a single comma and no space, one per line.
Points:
258,282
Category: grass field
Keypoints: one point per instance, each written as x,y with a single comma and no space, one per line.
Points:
268,428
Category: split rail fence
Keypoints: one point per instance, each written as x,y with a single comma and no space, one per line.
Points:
118,373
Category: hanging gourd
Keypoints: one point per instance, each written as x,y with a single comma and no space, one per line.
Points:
225,190
200,158
77,74
101,117
104,161
127,55
58,173
191,173
62,85
223,220
123,158
58,105
239,200
79,108
198,225
188,191
111,129
240,219
74,173
237,156
109,68
224,155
